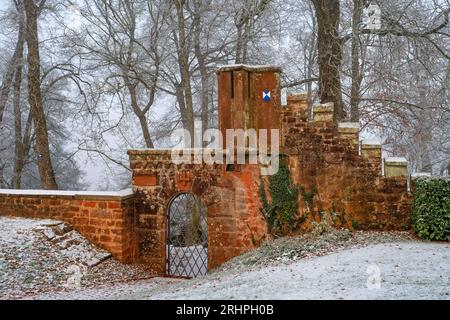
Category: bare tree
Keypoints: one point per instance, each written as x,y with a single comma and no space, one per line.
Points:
357,69
244,20
47,175
21,146
183,50
126,56
328,14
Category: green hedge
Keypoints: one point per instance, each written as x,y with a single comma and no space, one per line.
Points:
431,209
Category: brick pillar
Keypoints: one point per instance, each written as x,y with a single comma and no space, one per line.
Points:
297,104
249,98
151,205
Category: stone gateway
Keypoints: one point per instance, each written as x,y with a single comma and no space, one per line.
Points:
141,226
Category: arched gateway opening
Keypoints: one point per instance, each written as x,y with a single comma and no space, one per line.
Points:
187,237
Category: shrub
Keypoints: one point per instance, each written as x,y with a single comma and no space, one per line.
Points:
431,209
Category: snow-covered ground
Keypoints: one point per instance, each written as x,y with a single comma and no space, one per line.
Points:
108,292
406,271
46,256
335,265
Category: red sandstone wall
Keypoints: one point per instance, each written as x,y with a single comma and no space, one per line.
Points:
235,224
347,183
106,221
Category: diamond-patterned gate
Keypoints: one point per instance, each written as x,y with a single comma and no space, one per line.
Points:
187,241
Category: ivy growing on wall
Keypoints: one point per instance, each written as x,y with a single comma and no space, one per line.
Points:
282,212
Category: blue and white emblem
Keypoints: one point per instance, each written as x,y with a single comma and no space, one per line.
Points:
266,95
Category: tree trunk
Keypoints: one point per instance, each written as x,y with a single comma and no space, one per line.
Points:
243,35
2,181
183,61
239,46
18,149
27,137
182,106
356,66
146,132
46,172
310,67
329,54
203,70
8,79
6,87
140,114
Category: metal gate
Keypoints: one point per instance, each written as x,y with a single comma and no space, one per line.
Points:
187,240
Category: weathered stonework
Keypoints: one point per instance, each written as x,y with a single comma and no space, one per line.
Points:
322,155
107,221
235,224
396,167
325,155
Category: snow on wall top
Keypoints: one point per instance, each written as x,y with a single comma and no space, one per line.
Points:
372,142
351,125
250,68
396,159
114,194
421,175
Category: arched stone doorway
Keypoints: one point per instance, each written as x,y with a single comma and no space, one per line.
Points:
187,236
235,222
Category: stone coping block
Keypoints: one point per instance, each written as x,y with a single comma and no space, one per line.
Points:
371,144
324,108
349,127
372,149
399,161
297,96
323,112
102,195
250,68
396,167
168,152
